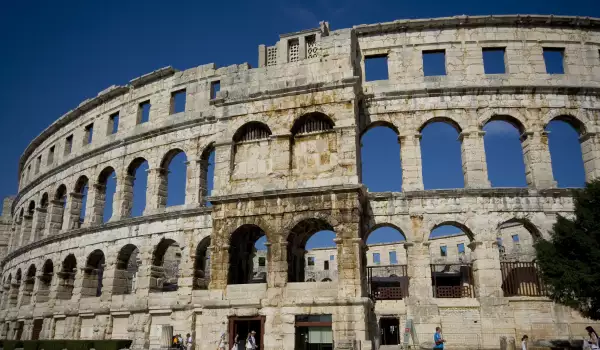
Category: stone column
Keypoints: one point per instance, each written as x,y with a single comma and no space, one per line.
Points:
203,181
193,196
590,149
156,195
41,292
26,225
223,167
473,159
349,276
38,225
219,266
54,218
412,168
419,270
72,212
96,200
281,150
123,198
185,282
538,166
486,269
142,280
277,267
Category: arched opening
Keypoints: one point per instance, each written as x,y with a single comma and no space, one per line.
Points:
92,275
126,270
326,279
164,273
207,173
136,187
385,261
381,166
29,285
504,152
39,223
67,278
105,193
44,201
312,122
441,155
79,201
251,151
310,245
26,223
6,289
45,279
313,144
451,267
175,164
14,290
565,151
245,245
202,264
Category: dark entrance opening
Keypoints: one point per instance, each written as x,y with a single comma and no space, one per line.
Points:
242,326
389,327
19,330
37,329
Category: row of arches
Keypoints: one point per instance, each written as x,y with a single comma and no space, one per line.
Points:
442,153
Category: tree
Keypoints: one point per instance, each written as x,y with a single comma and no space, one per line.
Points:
570,261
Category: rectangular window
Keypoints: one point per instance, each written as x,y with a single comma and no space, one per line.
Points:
332,257
68,144
376,259
113,123
215,87
29,172
461,248
493,60
293,50
262,261
326,265
51,155
312,50
38,163
515,238
89,134
434,62
499,241
311,261
554,59
444,250
393,258
376,68
143,112
177,102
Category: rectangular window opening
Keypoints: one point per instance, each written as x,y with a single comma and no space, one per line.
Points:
376,68
262,261
376,259
51,155
311,261
69,144
332,257
461,248
113,125
144,112
293,50
326,265
494,60
89,134
554,58
177,101
434,62
444,250
215,87
393,258
38,163
515,238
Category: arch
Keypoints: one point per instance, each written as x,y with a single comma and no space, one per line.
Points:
168,157
81,188
207,171
575,119
462,227
250,131
67,278
126,270
311,280
516,123
296,246
380,123
446,120
61,193
202,264
18,276
45,279
504,151
81,183
241,255
380,158
566,154
326,279
105,191
93,273
44,201
383,225
312,122
441,153
164,274
175,178
515,239
31,208
136,183
29,285
512,116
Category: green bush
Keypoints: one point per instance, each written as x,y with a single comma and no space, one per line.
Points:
79,344
51,344
113,344
13,344
30,344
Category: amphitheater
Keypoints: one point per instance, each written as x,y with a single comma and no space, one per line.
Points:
285,138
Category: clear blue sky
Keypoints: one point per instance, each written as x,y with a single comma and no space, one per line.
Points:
56,54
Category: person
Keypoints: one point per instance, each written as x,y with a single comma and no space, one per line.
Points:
438,339
594,339
180,341
188,341
251,342
175,345
235,343
222,345
524,342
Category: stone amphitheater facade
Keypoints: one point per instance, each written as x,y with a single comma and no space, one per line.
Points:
287,142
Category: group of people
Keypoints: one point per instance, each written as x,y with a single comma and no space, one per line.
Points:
182,344
249,343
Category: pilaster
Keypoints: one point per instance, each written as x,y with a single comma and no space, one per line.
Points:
412,168
538,165
473,159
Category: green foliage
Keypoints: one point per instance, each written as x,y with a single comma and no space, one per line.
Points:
60,344
570,261
30,345
48,344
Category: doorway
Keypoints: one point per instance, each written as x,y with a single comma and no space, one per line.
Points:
241,326
389,328
37,329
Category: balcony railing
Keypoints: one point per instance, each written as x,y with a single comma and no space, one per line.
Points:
388,282
452,280
521,279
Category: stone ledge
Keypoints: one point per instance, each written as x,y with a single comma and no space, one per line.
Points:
471,192
284,193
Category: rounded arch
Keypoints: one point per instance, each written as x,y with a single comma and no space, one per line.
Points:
456,224
512,116
253,130
446,120
168,157
44,201
516,123
134,165
93,274
202,264
31,271
31,208
527,224
380,158
81,183
242,249
312,122
61,192
311,280
69,264
18,276
48,267
297,240
298,218
380,123
126,270
572,117
326,279
161,248
105,174
124,256
95,259
380,226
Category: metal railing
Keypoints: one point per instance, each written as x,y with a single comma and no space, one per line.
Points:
388,282
452,280
521,279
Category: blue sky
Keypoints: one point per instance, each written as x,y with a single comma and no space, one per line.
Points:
55,55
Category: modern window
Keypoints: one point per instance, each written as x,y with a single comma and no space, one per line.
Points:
434,62
376,68
89,134
215,87
69,144
376,259
444,250
262,261
314,332
554,59
51,155
332,257
177,101
38,163
515,238
393,258
311,261
494,60
143,112
326,265
461,248
113,123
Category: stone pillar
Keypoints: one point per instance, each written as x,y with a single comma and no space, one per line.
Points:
219,265
262,55
41,291
142,281
26,225
349,276
54,218
419,270
193,180
203,181
486,269
473,159
281,159
412,168
38,225
123,199
73,212
185,282
277,267
590,149
538,166
223,167
96,200
156,195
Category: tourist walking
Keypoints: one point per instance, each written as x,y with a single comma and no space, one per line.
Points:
524,342
235,343
222,344
180,341
594,339
251,342
188,342
438,339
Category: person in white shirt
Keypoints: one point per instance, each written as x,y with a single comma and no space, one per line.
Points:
524,342
188,342
251,342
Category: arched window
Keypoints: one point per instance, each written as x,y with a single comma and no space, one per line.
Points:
381,167
57,210
67,278
105,192
312,122
504,152
243,247
29,286
252,131
207,172
251,156
79,200
385,260
44,201
14,292
126,270
305,237
136,187
43,292
175,164
441,154
164,274
565,151
92,276
202,264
